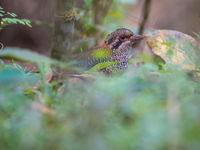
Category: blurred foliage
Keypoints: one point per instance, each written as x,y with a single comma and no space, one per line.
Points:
25,55
7,18
144,108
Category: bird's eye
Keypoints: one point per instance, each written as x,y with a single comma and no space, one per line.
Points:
122,37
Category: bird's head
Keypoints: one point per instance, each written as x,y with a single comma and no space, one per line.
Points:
122,40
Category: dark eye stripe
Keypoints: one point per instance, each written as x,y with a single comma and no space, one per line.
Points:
118,44
109,41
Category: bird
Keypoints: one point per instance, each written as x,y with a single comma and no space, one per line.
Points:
116,48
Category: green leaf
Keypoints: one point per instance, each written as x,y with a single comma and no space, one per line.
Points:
17,21
23,55
115,14
8,20
27,22
20,21
2,11
29,56
10,14
197,35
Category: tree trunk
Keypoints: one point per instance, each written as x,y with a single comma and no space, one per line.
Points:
63,30
146,12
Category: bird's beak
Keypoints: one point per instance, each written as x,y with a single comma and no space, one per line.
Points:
138,37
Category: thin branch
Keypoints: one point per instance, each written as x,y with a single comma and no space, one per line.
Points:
146,11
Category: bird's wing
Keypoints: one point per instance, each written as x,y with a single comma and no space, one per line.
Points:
92,57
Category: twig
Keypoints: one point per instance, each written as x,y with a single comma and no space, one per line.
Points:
146,11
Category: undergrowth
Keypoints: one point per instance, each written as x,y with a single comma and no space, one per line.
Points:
144,108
